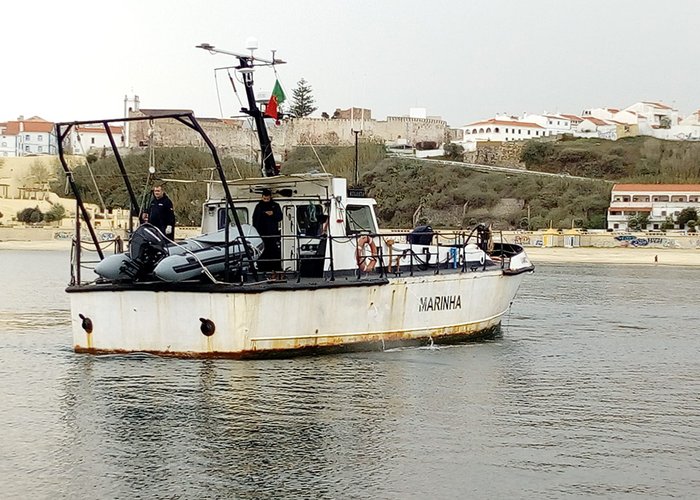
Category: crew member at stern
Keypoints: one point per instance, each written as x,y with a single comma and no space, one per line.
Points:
161,213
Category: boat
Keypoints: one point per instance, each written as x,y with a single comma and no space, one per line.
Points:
342,284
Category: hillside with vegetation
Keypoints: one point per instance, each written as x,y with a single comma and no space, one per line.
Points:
446,195
632,159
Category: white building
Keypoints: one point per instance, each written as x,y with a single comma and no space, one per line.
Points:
692,119
8,142
502,130
595,127
28,137
657,114
600,113
656,201
553,124
87,138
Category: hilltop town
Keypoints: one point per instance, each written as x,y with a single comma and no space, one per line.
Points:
498,140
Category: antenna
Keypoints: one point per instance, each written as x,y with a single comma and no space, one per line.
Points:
246,67
251,58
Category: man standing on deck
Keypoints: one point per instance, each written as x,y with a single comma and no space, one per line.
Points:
266,219
161,213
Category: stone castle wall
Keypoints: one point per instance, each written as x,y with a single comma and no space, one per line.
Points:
499,154
234,137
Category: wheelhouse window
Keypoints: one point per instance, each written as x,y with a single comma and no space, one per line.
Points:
359,219
309,220
221,216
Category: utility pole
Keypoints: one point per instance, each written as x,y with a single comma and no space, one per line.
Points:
357,169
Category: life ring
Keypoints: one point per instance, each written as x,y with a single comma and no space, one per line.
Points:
366,263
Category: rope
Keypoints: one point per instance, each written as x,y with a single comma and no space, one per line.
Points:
317,157
218,95
92,176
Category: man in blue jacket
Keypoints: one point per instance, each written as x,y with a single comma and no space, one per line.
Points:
161,213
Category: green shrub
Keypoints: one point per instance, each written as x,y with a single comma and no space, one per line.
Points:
30,215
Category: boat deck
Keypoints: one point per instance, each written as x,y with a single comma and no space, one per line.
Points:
289,281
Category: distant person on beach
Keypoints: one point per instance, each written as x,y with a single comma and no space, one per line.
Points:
266,219
161,212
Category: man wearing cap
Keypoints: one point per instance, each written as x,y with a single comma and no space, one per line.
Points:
266,219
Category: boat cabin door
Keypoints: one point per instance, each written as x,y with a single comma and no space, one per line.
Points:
289,238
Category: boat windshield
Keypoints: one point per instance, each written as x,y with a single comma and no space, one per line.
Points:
359,219
241,212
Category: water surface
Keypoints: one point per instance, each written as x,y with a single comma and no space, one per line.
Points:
591,391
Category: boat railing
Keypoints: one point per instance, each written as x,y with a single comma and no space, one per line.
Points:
387,253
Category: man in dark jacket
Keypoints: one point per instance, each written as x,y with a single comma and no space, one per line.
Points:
161,213
266,219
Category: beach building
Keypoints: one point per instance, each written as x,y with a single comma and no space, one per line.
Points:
632,204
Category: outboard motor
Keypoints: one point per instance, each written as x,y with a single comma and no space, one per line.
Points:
421,235
147,247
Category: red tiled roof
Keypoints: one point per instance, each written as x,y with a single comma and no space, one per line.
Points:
573,117
505,122
98,130
596,121
13,128
657,187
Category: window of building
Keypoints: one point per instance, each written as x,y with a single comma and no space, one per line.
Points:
26,137
92,140
663,213
39,149
520,131
26,148
4,144
39,137
528,132
655,226
616,226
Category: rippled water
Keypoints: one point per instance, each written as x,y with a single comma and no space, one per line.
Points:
593,390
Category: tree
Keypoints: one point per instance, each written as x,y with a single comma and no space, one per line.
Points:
668,224
56,213
30,215
302,100
536,153
454,151
686,215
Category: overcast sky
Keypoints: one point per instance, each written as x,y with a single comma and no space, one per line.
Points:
464,61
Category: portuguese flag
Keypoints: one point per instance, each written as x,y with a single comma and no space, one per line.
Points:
276,99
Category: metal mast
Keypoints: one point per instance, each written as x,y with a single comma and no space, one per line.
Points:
246,65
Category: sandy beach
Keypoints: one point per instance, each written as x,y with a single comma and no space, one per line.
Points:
629,255
36,245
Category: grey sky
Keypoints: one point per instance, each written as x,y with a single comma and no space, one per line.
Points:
75,59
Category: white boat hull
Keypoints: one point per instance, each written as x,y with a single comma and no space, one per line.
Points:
348,316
